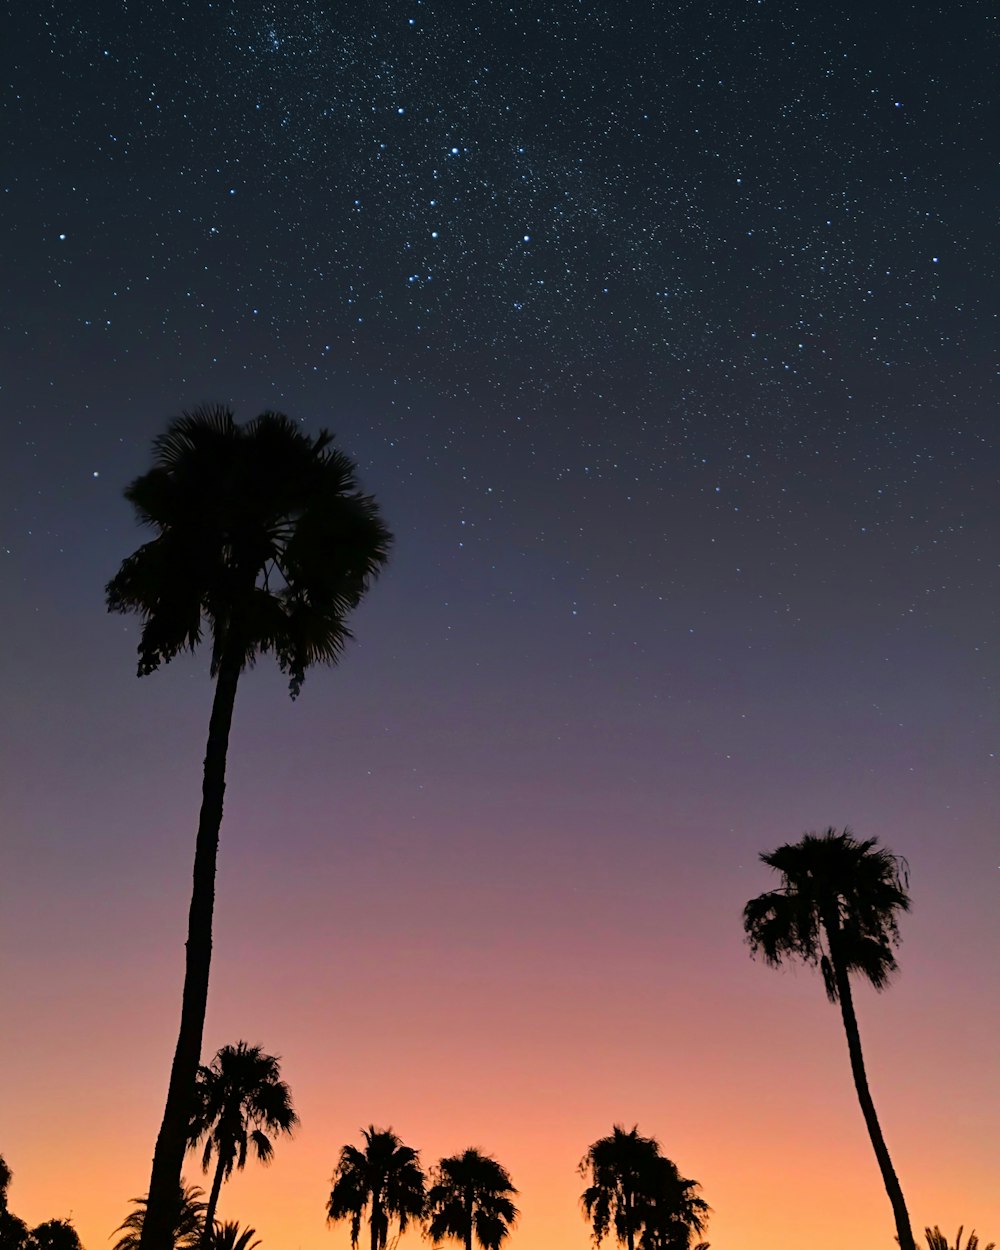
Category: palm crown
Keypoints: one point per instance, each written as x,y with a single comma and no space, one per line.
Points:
471,1198
261,531
230,1236
188,1223
838,902
385,1179
936,1240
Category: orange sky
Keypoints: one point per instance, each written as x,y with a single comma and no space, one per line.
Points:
525,1023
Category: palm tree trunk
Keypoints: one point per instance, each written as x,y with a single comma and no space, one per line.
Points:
213,1201
468,1219
889,1178
376,1225
171,1144
629,1220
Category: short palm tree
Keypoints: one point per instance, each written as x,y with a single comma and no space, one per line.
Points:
936,1240
471,1199
837,908
241,1098
385,1180
261,535
639,1192
186,1232
229,1236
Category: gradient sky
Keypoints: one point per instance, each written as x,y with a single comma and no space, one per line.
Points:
666,336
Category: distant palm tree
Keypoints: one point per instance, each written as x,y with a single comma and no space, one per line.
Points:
262,535
836,908
230,1236
936,1240
470,1198
186,1232
639,1192
6,1176
240,1099
385,1179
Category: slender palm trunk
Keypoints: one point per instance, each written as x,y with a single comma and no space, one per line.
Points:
171,1144
629,1220
889,1178
376,1225
213,1200
468,1219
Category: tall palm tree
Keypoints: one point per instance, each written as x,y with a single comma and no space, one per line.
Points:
385,1179
639,1191
188,1224
836,909
471,1198
240,1099
262,535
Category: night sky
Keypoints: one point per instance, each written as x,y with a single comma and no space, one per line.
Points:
667,337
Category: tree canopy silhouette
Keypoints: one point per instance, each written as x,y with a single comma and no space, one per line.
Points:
384,1179
240,1099
638,1192
189,1220
836,909
262,537
471,1199
54,1235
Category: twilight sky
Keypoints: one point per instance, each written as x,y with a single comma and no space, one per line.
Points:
666,335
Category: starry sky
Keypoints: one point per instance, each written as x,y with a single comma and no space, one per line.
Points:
666,335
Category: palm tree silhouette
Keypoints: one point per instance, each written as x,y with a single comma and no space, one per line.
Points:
936,1240
262,534
229,1236
836,908
240,1099
470,1198
385,1179
639,1191
188,1224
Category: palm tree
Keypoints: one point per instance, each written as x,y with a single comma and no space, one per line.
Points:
673,1212
240,1099
471,1199
836,908
385,1179
936,1240
229,1236
640,1191
261,534
186,1232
